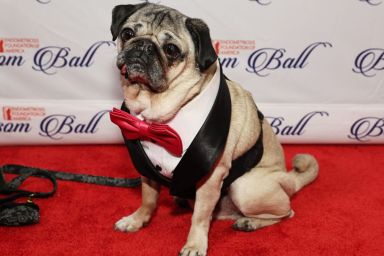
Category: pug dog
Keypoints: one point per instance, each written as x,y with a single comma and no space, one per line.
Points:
231,165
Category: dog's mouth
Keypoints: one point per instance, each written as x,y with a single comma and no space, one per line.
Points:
135,76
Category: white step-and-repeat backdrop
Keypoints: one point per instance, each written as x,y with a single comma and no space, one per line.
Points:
315,68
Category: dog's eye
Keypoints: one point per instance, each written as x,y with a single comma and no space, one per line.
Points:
127,34
172,51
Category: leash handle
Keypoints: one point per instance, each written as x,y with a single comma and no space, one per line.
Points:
12,187
84,178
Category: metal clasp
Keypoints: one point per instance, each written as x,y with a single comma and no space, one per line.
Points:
29,200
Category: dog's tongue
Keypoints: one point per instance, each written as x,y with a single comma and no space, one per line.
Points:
123,70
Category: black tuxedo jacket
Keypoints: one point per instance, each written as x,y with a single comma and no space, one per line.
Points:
203,153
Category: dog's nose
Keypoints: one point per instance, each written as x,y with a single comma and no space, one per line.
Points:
149,48
146,46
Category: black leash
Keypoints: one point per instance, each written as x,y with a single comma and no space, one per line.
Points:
84,178
17,214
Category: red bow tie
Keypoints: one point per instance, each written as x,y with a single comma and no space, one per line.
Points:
161,134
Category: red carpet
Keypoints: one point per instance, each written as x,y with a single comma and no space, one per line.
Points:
341,213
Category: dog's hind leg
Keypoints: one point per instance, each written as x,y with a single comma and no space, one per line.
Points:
227,210
266,210
262,197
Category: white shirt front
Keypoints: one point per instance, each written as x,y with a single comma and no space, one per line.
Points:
187,124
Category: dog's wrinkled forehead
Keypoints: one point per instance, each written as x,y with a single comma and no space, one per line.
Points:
157,17
151,19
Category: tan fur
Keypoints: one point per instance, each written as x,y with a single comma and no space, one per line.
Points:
259,198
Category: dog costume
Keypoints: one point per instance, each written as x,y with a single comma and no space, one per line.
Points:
201,152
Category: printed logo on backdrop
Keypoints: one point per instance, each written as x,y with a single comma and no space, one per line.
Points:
369,61
263,61
266,60
57,126
51,58
229,50
47,59
19,119
298,128
11,113
367,128
12,49
372,2
16,118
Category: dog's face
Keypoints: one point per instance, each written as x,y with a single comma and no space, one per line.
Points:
159,49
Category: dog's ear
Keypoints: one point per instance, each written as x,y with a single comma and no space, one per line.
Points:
205,53
120,14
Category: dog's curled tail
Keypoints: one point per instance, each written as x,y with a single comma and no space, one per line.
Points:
305,170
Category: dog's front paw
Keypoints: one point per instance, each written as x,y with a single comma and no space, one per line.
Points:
130,224
193,251
196,248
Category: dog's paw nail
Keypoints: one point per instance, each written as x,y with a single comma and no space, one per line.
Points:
191,252
127,224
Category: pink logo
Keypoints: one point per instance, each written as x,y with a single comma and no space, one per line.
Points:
7,114
217,47
1,46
